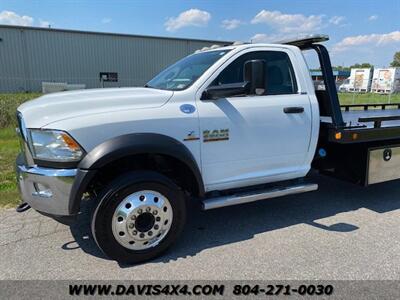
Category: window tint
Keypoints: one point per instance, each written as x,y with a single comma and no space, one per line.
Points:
280,77
183,73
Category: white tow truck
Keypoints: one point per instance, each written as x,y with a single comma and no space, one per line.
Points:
220,127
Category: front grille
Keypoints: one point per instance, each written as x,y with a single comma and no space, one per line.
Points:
20,131
23,140
21,126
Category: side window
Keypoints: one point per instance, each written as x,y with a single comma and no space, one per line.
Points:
280,77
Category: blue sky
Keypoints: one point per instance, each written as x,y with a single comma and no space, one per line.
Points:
360,31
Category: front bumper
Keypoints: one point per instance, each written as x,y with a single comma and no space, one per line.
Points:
44,189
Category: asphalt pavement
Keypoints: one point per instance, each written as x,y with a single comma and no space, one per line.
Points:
341,231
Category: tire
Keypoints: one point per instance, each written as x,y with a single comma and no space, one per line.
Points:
132,207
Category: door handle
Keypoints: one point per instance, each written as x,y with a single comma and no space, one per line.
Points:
293,110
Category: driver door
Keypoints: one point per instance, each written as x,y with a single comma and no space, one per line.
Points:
253,139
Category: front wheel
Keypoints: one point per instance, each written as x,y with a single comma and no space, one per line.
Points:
139,216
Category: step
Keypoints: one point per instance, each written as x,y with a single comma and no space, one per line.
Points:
257,195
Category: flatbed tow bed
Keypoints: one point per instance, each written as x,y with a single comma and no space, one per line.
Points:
389,117
358,142
370,122
369,115
369,118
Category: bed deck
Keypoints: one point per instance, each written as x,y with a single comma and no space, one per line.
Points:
369,115
353,117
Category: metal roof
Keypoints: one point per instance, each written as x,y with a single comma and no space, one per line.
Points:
30,56
111,33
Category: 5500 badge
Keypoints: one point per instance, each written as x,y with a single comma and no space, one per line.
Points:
215,135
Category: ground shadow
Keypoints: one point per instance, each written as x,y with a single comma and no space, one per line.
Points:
82,234
207,229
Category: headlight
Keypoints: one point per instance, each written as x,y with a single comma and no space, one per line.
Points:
54,145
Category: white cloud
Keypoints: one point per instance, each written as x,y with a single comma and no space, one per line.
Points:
260,38
231,24
337,20
44,23
267,38
191,17
368,39
289,23
106,20
11,18
373,18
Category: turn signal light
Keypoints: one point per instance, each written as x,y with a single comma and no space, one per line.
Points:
338,135
69,141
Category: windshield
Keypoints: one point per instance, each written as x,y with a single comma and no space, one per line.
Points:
186,71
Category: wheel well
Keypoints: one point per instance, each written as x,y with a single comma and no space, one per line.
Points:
167,165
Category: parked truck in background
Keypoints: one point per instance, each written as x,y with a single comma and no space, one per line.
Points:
386,81
345,86
359,81
220,127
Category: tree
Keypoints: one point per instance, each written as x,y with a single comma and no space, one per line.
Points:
340,68
396,60
361,66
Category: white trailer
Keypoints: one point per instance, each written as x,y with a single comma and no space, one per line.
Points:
386,81
359,81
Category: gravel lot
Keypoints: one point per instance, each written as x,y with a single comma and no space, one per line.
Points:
339,232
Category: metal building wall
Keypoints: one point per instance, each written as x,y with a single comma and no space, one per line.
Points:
29,56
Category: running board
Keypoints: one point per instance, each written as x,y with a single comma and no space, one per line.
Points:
247,197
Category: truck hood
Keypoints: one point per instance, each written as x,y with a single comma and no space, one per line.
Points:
59,106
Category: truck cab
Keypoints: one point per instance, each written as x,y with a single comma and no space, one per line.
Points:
345,86
220,127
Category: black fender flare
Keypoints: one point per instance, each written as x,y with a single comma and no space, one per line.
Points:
127,145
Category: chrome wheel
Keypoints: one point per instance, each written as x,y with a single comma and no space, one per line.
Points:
142,220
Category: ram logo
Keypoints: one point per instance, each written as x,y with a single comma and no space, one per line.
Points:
192,136
215,135
387,154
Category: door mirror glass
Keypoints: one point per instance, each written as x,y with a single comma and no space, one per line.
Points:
254,73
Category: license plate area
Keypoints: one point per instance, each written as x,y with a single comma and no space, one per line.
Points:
383,164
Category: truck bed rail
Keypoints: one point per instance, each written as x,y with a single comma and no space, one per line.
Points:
378,120
383,106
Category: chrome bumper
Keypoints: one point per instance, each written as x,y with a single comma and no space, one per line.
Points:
44,189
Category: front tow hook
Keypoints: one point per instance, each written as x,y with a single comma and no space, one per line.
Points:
22,207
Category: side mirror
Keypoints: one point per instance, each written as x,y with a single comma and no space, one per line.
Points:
254,72
225,90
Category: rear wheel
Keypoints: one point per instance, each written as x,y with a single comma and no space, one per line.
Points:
139,216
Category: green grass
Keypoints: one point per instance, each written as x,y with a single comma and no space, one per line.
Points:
356,98
9,146
8,105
